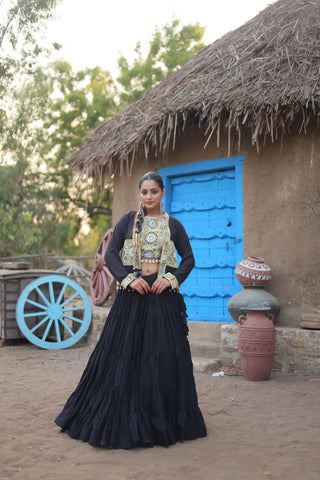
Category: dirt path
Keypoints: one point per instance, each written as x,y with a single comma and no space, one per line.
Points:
255,430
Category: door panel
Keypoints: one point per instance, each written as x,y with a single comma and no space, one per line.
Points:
207,204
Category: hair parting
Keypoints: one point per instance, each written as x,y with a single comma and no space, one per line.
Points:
152,176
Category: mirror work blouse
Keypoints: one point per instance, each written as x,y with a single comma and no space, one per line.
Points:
120,266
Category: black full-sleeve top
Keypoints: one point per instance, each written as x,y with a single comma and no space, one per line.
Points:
124,229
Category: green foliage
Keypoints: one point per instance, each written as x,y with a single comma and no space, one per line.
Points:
169,49
20,21
49,116
32,217
82,100
17,231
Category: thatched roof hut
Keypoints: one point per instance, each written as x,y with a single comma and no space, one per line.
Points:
259,78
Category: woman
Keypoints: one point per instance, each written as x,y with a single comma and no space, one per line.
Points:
138,386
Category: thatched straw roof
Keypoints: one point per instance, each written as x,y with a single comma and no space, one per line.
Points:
260,77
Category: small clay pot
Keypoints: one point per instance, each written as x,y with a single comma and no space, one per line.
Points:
253,271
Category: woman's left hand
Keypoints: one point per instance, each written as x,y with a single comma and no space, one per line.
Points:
159,285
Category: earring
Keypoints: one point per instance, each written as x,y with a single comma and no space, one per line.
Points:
162,207
141,209
139,219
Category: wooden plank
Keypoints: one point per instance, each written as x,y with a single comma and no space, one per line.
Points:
15,265
311,317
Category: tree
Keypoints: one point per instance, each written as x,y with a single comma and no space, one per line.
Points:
169,48
17,231
43,120
30,191
82,101
49,116
20,21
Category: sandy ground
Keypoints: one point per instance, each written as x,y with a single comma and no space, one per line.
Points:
256,430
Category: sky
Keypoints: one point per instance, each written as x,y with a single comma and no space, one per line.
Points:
95,32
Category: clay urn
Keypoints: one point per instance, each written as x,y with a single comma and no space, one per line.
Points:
256,342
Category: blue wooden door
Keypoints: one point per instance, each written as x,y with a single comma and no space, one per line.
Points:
207,198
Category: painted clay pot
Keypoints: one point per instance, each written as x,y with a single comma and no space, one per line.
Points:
253,271
256,343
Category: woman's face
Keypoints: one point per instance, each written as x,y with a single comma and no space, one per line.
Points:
150,196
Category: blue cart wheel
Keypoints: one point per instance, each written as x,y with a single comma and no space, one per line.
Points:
53,312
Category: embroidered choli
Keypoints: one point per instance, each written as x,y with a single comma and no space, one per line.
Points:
151,239
170,235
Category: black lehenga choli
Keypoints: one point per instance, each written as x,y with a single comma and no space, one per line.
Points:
138,386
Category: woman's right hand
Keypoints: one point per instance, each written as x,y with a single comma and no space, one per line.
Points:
140,285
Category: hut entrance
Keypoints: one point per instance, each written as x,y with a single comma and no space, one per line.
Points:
207,198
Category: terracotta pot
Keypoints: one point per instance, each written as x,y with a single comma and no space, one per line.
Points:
256,342
253,271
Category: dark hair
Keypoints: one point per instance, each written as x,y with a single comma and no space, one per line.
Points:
152,176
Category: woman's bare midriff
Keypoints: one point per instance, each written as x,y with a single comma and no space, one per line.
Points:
149,268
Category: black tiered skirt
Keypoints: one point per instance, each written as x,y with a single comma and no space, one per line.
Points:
138,386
